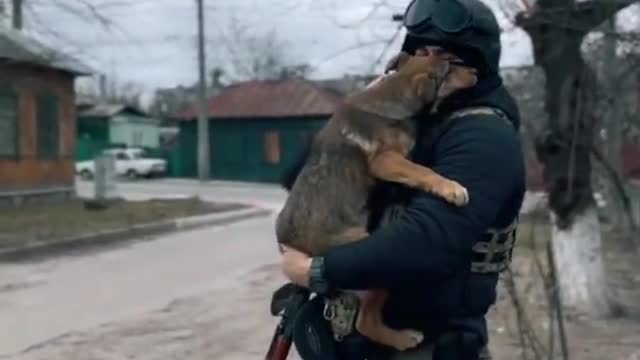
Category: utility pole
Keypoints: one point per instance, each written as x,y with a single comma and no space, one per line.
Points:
203,124
16,16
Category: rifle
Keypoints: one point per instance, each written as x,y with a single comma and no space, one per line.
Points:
286,302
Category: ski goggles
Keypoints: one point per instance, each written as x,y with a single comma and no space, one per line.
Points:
448,16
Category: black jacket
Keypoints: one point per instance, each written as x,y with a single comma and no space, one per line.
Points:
423,257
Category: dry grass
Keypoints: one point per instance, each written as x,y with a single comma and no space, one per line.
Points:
44,223
615,338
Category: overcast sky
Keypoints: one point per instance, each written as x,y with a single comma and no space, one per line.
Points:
152,42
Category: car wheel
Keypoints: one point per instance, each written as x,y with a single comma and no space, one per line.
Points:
132,174
86,175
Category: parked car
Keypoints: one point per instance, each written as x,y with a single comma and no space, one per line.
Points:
130,163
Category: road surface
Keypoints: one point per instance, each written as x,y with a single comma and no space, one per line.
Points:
195,295
201,294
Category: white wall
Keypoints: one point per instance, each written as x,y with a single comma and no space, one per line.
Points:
135,131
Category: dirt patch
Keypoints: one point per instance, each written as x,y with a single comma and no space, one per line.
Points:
46,223
615,338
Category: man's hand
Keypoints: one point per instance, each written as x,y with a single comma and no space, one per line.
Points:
296,266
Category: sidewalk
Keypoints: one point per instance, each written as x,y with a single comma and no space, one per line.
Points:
136,232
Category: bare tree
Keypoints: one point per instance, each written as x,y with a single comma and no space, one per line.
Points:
613,52
557,29
246,56
111,91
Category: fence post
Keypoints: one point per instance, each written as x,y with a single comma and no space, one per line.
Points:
105,180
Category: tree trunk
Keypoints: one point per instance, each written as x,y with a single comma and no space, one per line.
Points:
614,128
577,253
565,151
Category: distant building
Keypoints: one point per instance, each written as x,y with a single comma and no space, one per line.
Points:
103,125
258,128
37,119
173,100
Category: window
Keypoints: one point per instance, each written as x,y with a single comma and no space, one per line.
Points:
9,124
272,147
48,121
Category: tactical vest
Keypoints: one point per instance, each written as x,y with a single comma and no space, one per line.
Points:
493,253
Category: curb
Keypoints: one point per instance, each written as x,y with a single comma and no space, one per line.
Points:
131,234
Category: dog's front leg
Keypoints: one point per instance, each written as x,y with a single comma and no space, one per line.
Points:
392,166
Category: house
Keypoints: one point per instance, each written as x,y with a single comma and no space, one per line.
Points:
37,119
102,125
257,128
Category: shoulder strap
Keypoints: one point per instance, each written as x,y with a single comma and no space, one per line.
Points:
477,110
431,136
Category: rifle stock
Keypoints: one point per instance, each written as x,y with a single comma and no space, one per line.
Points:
286,302
280,345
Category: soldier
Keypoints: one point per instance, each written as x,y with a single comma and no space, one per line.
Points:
440,263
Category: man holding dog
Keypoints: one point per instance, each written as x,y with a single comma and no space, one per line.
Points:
440,263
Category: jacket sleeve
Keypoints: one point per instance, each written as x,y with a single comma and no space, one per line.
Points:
433,239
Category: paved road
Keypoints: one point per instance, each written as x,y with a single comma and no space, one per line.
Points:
194,280
196,295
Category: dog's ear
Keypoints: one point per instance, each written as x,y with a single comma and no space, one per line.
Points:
424,87
397,62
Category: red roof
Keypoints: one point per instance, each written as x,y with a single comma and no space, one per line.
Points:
268,99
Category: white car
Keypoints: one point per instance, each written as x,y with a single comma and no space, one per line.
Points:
128,162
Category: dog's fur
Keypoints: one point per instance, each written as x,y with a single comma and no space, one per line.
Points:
368,138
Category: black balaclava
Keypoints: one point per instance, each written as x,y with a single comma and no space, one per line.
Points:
488,78
478,46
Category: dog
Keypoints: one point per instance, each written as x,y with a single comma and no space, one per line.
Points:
367,139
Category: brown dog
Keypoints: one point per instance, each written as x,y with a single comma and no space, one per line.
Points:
368,138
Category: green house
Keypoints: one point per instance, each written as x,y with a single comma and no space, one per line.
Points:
257,129
103,125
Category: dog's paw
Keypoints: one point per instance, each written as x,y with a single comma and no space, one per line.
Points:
407,339
452,192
